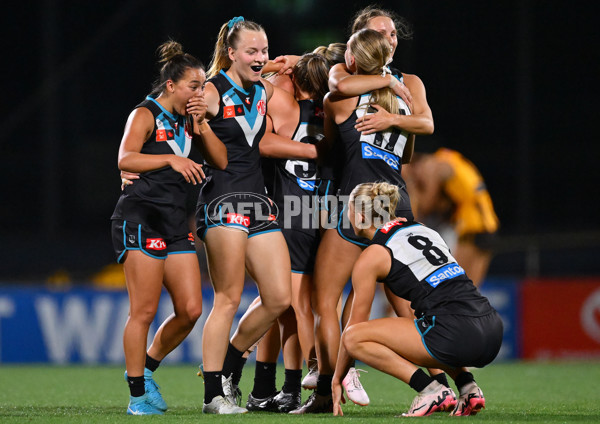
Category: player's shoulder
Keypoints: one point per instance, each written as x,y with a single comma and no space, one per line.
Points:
374,260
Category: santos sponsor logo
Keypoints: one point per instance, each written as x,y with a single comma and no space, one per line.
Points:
372,152
306,184
444,273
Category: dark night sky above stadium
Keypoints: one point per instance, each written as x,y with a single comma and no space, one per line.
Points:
512,85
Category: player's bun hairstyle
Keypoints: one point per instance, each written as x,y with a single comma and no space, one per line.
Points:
174,62
371,52
311,75
361,20
229,35
333,53
376,200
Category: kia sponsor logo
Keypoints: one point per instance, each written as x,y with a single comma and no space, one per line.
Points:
249,210
155,244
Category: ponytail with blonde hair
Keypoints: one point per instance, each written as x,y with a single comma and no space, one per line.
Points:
333,53
375,201
229,35
372,53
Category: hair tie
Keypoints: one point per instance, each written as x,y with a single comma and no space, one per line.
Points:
235,20
385,70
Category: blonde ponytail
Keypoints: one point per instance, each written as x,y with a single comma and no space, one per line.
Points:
372,53
229,35
377,201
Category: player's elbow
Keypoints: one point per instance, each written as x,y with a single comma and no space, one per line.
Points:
221,164
428,127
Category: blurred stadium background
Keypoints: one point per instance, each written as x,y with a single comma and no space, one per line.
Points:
511,85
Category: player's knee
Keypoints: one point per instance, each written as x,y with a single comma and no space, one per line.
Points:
193,312
325,308
278,303
226,304
303,312
351,338
143,316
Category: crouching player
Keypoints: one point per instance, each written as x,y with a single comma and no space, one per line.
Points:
455,327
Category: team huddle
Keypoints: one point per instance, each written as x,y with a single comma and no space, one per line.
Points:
301,189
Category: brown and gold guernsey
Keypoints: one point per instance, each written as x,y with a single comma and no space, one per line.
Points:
473,209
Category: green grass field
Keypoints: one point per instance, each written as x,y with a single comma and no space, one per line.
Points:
520,392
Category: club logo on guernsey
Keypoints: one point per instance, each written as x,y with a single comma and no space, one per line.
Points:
261,107
444,273
155,244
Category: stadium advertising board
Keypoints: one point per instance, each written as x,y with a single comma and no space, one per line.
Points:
561,319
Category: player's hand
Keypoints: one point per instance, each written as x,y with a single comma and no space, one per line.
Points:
337,396
288,62
191,171
197,107
379,121
401,90
127,178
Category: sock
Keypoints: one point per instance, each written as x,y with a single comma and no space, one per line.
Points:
265,374
136,386
442,379
463,379
237,374
293,380
213,386
151,363
419,380
234,362
353,363
324,385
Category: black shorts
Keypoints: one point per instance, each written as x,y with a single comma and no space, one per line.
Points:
460,340
252,213
345,230
303,249
326,199
127,235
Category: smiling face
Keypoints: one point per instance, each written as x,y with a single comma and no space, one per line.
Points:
249,56
190,85
385,26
